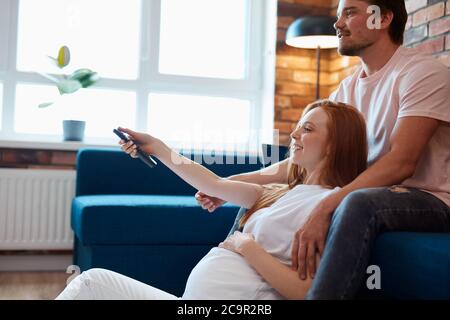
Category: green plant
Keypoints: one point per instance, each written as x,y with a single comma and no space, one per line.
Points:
66,84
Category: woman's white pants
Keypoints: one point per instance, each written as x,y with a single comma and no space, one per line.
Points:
102,284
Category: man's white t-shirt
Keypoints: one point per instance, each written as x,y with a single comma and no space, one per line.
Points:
223,274
410,84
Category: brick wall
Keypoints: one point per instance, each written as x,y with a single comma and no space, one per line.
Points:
428,28
37,159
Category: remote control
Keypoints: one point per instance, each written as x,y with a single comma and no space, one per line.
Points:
143,156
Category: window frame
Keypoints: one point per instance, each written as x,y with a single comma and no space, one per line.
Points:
260,72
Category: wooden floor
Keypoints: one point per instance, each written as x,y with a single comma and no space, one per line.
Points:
31,285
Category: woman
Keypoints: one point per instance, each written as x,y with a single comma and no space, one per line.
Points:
328,150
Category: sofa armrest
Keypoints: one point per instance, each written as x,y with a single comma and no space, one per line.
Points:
155,239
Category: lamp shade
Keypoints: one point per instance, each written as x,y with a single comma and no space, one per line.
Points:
312,32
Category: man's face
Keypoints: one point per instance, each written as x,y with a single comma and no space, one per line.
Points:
354,35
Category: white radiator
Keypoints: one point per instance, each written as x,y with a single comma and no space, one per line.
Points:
35,209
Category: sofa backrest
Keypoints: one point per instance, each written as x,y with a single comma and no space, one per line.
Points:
111,171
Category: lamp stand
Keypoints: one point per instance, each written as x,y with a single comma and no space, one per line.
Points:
318,73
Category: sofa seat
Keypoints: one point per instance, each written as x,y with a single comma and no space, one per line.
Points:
156,239
147,220
413,265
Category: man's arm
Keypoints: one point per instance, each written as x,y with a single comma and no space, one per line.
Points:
408,141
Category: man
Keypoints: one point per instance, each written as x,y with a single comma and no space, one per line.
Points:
404,97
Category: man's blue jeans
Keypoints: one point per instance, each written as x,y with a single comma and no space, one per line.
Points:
361,216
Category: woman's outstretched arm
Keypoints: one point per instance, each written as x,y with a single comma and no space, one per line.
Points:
240,193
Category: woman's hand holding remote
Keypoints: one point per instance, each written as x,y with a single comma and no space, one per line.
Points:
145,142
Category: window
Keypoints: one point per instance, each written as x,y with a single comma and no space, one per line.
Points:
206,45
103,34
4,34
1,103
165,66
215,122
4,38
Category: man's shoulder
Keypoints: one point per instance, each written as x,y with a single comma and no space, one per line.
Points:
417,69
413,61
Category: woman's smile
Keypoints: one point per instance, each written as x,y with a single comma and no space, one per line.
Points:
296,147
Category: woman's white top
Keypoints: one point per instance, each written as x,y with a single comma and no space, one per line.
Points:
223,274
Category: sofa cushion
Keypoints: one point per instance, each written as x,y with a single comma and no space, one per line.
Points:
151,219
413,265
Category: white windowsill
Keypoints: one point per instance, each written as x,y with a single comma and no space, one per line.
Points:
56,144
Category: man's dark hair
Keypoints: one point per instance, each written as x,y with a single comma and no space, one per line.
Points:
397,27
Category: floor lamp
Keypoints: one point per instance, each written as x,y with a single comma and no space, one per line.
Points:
313,33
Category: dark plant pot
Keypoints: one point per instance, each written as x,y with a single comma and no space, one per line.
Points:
73,130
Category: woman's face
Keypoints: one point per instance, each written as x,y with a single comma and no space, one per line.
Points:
309,140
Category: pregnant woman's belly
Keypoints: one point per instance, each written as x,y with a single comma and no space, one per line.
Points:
224,275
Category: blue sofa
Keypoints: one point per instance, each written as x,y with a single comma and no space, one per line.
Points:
145,223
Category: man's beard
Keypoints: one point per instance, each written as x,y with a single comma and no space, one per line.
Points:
353,49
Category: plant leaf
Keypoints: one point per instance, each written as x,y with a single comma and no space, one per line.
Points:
68,86
45,104
85,76
63,56
80,74
89,81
